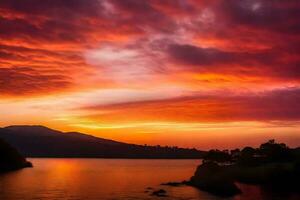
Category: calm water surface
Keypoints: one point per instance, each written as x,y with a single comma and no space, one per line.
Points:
108,179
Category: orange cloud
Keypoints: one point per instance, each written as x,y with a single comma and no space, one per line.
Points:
279,105
130,63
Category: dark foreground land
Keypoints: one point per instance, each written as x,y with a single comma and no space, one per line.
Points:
273,166
11,159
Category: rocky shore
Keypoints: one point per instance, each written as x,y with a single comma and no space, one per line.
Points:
273,166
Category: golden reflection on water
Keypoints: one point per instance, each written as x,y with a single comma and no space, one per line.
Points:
107,179
93,178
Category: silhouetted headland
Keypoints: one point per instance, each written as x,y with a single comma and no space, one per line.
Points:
39,141
11,159
213,178
273,166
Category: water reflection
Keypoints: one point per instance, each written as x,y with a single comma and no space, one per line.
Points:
78,179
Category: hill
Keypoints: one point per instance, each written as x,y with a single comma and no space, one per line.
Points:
40,141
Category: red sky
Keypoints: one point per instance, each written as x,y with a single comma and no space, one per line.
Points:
192,73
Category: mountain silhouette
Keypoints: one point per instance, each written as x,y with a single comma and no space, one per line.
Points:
40,141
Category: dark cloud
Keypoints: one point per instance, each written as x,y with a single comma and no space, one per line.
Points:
55,8
275,15
143,15
78,21
16,28
273,62
48,31
189,54
280,16
27,81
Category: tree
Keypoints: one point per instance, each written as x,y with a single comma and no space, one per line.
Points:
275,152
217,156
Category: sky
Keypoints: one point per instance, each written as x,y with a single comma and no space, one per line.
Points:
189,73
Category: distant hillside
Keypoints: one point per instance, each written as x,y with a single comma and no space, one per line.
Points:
10,158
39,141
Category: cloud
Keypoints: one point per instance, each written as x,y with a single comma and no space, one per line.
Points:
277,105
192,55
21,81
170,63
130,42
55,8
272,15
274,63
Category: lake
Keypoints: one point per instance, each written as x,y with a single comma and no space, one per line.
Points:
109,179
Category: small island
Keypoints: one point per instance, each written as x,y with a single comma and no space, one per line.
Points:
11,159
273,166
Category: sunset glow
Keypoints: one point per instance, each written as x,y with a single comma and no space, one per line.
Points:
191,73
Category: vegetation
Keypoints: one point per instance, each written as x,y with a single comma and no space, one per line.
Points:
273,165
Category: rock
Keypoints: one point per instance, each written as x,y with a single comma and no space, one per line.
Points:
174,184
160,193
11,159
213,178
148,189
